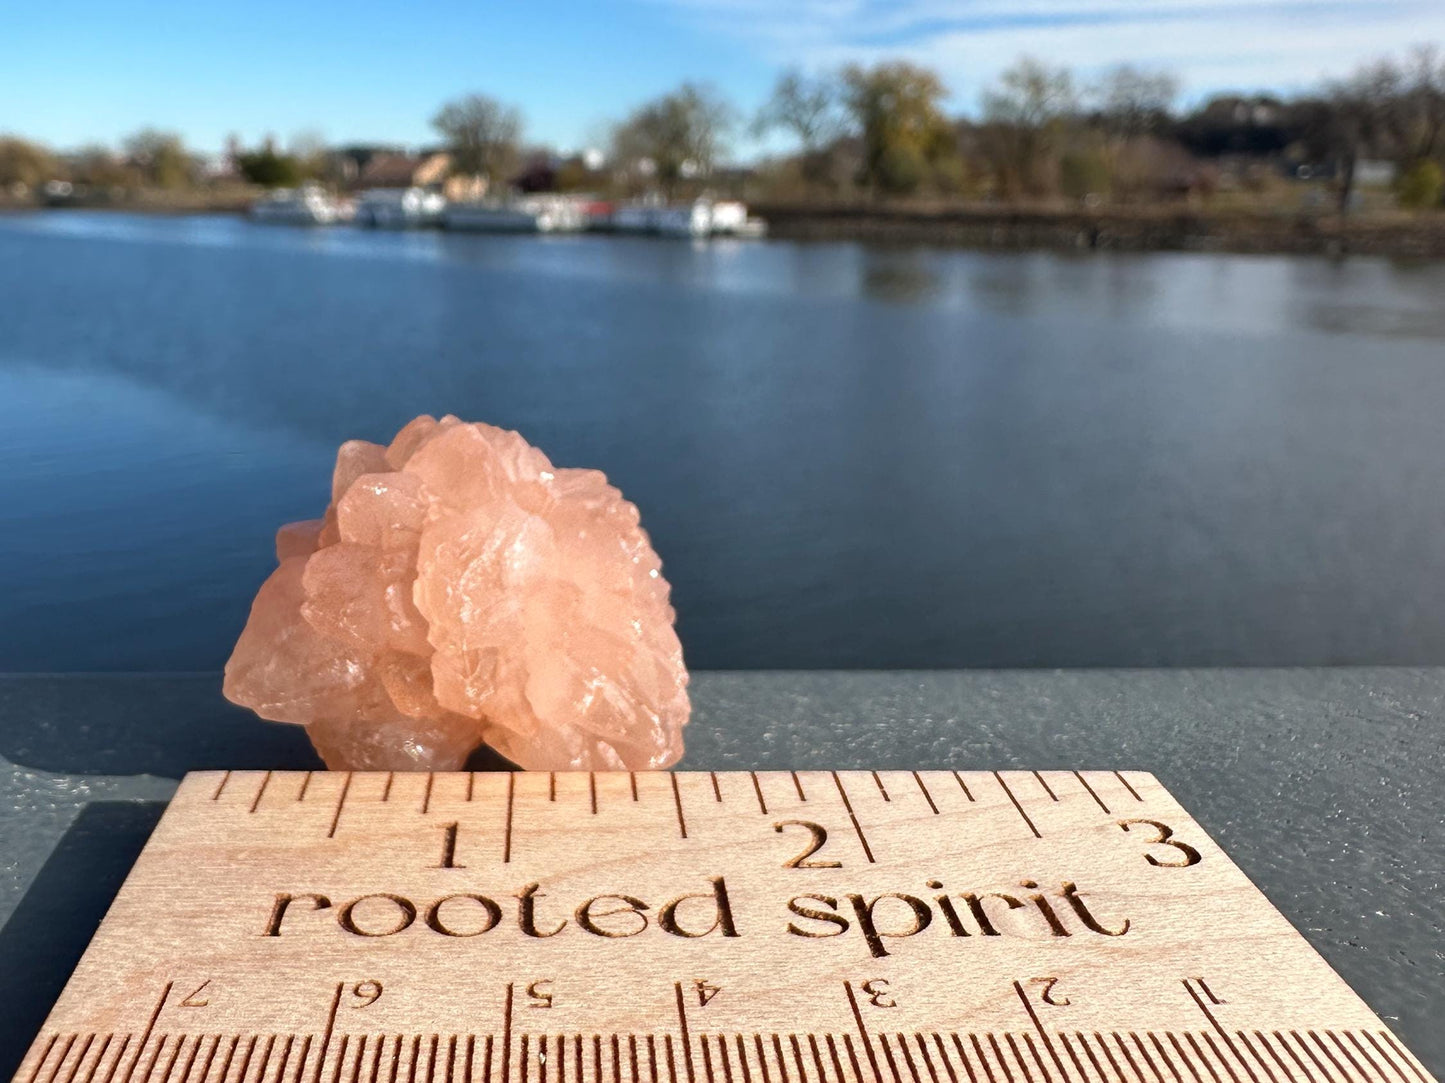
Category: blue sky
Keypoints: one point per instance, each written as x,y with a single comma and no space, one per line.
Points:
75,71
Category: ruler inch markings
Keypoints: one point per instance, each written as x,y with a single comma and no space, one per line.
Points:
862,1028
507,835
507,1015
677,803
947,1060
331,1021
1092,793
149,1029
1224,1035
340,804
1202,1058
1405,1055
857,827
682,1025
1165,1057
758,791
1046,787
1264,1042
1044,1034
926,795
79,1059
1301,1065
1383,1056
261,790
1128,786
44,1056
607,908
1015,802
99,1056
1074,1057
963,786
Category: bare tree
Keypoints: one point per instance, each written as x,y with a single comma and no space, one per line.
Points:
681,135
1030,95
482,135
1026,114
1356,118
1133,102
1425,94
805,107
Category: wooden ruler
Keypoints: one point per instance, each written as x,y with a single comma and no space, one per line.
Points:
809,927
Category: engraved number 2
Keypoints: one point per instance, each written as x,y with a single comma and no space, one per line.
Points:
1047,995
819,838
1166,838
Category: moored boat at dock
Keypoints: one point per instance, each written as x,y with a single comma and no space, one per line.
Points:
399,208
528,214
698,219
308,205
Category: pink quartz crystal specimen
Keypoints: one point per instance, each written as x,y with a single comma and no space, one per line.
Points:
461,590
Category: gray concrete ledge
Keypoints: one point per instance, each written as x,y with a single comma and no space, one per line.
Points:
1324,785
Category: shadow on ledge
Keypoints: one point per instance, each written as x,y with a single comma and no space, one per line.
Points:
133,724
48,932
123,724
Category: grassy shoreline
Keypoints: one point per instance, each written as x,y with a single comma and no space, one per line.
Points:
1144,229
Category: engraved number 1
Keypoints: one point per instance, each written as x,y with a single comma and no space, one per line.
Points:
449,847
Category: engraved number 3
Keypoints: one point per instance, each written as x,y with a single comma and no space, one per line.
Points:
1166,838
878,994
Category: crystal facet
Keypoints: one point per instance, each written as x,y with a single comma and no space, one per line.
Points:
459,591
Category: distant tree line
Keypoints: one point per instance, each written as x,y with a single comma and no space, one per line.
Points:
883,131
1040,134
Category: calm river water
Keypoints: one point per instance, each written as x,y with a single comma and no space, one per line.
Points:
847,456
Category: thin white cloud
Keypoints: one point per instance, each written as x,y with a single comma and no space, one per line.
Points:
1209,44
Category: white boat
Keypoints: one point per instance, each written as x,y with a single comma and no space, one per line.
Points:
700,218
529,214
730,219
308,205
399,208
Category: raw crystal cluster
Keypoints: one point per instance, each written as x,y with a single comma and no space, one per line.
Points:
462,590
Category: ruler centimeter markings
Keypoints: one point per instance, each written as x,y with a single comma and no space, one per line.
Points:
698,927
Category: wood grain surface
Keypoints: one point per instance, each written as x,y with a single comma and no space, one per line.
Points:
698,927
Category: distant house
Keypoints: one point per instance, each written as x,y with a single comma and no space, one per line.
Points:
392,170
427,169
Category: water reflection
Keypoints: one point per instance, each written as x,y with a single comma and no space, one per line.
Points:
847,455
902,275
